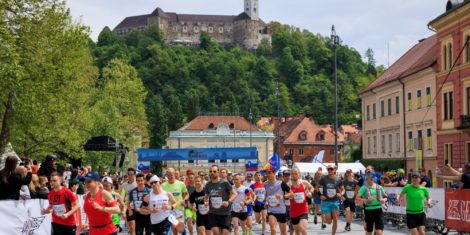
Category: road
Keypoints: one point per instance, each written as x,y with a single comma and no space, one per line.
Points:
357,227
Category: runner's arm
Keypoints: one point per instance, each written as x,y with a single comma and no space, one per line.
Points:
108,199
172,200
145,208
233,196
123,205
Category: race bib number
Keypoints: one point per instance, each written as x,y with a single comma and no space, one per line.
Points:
203,210
299,197
137,204
173,220
350,194
330,192
273,201
237,207
59,209
260,195
321,190
216,202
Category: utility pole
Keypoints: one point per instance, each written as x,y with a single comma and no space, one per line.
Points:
278,126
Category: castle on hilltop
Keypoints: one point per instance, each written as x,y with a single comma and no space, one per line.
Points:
245,30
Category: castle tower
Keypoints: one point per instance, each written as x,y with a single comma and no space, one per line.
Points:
252,9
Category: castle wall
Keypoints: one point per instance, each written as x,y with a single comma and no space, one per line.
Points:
247,33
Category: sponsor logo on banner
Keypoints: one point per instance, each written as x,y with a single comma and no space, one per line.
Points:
458,210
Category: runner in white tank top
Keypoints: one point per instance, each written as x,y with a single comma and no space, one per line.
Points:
158,204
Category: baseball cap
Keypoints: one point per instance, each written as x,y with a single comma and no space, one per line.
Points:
371,174
286,172
415,174
189,171
249,175
107,179
154,179
349,171
93,175
401,171
330,167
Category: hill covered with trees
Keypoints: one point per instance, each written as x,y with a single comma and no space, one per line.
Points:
184,81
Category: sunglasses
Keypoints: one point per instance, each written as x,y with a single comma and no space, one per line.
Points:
212,171
130,174
154,182
330,169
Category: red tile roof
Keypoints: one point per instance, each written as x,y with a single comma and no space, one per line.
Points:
203,122
419,57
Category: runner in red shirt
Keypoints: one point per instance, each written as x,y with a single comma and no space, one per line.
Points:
260,201
99,205
64,204
298,203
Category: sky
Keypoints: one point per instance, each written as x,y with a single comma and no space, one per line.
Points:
388,27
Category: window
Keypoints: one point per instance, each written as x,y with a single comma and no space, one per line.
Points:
382,108
448,105
410,141
447,55
428,138
332,152
418,96
185,29
420,139
190,161
390,145
235,160
221,29
368,144
375,144
196,29
254,9
398,141
382,147
211,161
428,96
410,104
373,111
301,152
467,50
211,29
389,107
223,161
321,136
448,153
468,100
303,135
291,152
368,112
397,105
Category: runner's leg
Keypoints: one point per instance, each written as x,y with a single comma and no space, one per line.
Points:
235,226
272,224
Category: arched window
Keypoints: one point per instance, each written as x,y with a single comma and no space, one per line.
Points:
231,126
320,136
303,135
211,126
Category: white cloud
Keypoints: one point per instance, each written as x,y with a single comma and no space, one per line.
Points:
361,24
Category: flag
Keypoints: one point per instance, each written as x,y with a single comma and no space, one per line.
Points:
273,162
319,157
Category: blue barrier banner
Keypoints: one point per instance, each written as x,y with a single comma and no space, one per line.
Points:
196,154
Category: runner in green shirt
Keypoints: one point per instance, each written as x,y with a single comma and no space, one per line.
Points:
372,201
415,195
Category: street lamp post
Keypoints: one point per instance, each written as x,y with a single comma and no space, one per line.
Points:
335,42
278,124
251,123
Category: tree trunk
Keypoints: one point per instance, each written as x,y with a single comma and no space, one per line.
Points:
5,131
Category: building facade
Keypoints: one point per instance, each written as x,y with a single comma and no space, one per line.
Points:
301,139
220,132
453,83
245,30
398,114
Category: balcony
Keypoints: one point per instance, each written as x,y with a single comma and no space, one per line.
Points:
464,123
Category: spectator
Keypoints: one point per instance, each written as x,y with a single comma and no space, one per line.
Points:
43,183
11,181
425,180
34,186
48,166
35,167
24,190
74,180
465,179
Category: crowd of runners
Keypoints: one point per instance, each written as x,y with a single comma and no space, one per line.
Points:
223,203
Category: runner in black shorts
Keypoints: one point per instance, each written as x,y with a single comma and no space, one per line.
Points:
349,196
196,200
219,195
372,196
260,198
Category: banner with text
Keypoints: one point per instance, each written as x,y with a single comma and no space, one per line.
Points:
24,217
457,210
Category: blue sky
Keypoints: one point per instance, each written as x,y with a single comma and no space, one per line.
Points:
362,24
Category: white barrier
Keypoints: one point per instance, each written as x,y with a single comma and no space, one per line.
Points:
437,198
24,217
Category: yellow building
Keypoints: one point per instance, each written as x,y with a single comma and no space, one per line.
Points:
220,132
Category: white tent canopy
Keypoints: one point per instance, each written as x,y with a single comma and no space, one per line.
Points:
311,168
